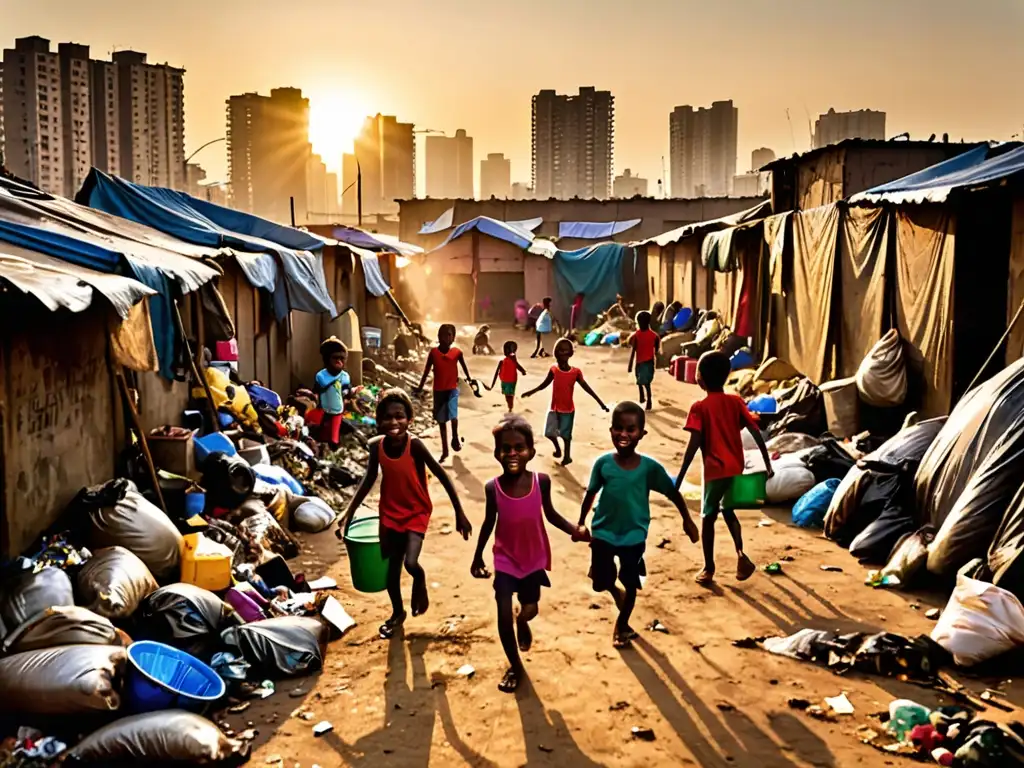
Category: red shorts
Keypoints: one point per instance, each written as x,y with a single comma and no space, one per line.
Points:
330,429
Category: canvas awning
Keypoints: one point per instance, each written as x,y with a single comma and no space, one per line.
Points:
595,230
759,211
501,230
374,241
978,167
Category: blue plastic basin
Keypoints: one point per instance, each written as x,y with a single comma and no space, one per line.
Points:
162,677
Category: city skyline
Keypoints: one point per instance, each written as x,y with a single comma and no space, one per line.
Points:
918,39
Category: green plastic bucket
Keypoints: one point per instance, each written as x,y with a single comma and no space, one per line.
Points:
746,491
369,567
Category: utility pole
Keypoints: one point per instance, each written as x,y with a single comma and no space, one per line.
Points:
359,193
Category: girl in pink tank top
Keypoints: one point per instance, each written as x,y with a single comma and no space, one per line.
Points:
517,504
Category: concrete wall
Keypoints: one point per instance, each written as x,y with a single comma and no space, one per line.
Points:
57,413
657,215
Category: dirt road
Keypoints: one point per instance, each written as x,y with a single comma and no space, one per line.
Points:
402,703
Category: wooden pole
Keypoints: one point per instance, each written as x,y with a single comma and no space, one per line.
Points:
143,442
476,270
195,369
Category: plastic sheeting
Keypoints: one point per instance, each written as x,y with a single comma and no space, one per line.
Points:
865,235
114,581
61,625
500,230
182,615
882,376
169,736
375,242
595,230
596,272
288,645
440,224
1005,561
924,300
372,276
759,211
975,427
72,679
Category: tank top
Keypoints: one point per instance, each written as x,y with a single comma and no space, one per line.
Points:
509,373
645,341
562,385
521,545
446,369
404,499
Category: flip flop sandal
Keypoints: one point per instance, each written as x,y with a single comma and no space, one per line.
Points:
510,682
389,627
704,578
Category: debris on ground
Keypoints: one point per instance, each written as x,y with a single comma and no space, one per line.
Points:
643,734
773,569
466,671
657,626
840,704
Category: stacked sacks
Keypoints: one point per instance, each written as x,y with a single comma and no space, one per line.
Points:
972,471
882,375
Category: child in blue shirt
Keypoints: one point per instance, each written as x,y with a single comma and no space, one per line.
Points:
544,326
332,385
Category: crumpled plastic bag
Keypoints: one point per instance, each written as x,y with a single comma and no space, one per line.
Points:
313,515
182,615
61,625
168,736
28,594
73,679
980,621
809,511
882,375
286,645
909,556
113,582
140,527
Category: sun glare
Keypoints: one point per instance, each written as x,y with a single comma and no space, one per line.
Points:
334,123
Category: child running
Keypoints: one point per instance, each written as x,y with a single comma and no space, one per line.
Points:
518,502
645,344
563,410
715,425
332,384
543,327
625,480
508,371
405,506
445,359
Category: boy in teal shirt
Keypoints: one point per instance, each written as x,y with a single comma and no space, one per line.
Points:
625,480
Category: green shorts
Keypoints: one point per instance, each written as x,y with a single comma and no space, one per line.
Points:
508,388
559,425
712,494
645,373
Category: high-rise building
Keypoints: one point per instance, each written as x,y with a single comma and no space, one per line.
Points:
495,177
151,120
522,191
195,174
627,185
33,118
759,158
450,166
702,149
76,114
269,153
573,144
331,184
316,191
349,185
385,150
833,127
104,116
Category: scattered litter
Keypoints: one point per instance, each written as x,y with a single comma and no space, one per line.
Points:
819,713
273,760
840,705
297,693
322,727
879,579
831,568
240,707
266,689
643,734
338,617
466,671
932,613
787,559
657,626
800,704
324,582
446,529
773,568
764,522
618,706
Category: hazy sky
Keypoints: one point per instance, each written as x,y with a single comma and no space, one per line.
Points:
933,65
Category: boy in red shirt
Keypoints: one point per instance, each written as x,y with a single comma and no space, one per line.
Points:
645,344
445,359
715,425
508,371
563,410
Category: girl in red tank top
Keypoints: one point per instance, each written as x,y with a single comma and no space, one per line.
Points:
508,371
405,505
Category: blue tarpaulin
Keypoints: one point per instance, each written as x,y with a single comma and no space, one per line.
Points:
595,230
500,230
977,167
196,221
372,276
596,272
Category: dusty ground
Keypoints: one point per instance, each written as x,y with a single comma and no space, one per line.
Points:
401,703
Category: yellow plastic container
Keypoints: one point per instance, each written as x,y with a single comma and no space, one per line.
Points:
205,563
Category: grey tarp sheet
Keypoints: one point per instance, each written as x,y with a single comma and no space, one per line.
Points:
864,242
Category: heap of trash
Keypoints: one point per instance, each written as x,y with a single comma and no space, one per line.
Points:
172,591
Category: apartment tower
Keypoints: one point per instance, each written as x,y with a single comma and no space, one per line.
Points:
573,144
450,166
495,177
833,127
702,149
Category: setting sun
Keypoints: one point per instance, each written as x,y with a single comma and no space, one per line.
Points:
334,123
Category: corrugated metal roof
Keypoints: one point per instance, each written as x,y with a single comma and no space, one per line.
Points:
58,284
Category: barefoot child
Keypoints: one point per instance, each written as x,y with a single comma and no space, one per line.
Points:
332,386
508,371
518,502
543,327
645,344
625,480
445,359
563,410
715,425
405,506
